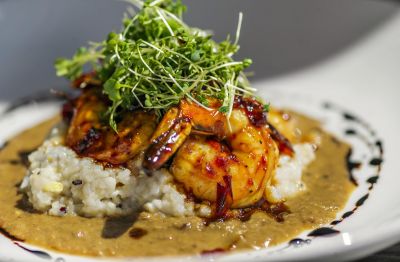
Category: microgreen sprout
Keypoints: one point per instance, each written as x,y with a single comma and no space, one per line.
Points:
157,60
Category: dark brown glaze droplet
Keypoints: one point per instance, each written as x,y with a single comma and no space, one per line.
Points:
349,117
276,211
379,144
351,166
9,236
376,161
350,132
323,231
361,201
347,214
137,232
297,242
373,179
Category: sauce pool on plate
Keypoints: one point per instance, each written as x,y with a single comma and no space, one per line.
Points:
327,181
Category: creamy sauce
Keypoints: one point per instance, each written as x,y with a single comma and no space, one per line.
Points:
327,181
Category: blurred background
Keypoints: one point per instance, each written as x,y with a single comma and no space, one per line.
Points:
281,36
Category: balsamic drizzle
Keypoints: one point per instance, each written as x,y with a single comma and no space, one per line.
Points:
38,253
351,165
350,132
9,235
323,231
298,242
375,161
372,180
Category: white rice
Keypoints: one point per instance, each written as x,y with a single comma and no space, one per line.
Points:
59,182
286,182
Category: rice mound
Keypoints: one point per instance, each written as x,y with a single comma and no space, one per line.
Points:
286,182
59,182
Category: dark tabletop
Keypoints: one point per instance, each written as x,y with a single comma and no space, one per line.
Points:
388,255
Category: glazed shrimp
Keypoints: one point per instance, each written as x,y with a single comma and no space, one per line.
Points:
88,135
238,159
283,122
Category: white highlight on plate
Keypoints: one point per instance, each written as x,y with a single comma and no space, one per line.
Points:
346,239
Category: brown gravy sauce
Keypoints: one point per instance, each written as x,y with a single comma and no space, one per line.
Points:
327,181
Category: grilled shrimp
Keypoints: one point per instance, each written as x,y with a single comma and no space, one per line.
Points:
229,166
283,122
88,135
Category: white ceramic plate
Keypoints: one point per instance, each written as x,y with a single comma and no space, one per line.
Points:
363,82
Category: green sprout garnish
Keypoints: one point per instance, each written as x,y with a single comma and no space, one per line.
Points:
266,107
157,60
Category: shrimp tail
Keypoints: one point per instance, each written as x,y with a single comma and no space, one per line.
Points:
284,145
170,135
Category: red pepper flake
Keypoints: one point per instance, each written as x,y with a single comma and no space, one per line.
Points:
220,162
214,144
224,198
253,109
210,170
